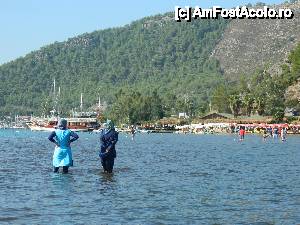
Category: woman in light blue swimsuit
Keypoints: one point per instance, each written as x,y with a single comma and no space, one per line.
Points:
62,138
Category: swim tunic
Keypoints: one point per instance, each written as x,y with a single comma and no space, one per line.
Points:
62,155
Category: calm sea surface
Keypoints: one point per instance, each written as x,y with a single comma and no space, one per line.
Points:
158,179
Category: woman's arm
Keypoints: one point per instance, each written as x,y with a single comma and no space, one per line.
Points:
74,136
51,138
112,142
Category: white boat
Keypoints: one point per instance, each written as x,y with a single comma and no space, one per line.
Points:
74,124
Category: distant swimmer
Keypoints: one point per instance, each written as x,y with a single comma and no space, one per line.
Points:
242,133
62,138
270,131
275,132
132,131
108,139
283,134
265,134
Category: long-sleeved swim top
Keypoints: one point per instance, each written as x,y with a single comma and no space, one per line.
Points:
108,140
62,155
63,137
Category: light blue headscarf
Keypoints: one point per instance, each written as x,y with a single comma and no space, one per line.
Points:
109,125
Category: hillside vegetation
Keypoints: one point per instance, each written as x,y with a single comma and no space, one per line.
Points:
152,54
156,67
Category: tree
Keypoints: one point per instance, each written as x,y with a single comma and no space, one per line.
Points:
156,106
248,101
219,100
259,105
235,104
278,113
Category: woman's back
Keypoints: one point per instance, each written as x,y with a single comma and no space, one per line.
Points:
63,138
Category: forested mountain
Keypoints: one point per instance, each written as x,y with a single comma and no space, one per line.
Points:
151,68
152,54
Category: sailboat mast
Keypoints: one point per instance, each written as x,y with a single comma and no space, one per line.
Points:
81,102
54,87
54,97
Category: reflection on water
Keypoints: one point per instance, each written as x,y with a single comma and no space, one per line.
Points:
107,178
63,182
158,179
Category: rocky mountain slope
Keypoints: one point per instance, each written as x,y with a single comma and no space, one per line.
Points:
250,44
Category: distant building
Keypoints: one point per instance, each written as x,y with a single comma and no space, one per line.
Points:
183,115
291,112
215,115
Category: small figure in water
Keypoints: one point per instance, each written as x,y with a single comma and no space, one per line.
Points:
275,132
242,133
62,138
132,131
270,131
283,134
108,139
265,134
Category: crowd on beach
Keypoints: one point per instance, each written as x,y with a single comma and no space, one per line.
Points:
272,130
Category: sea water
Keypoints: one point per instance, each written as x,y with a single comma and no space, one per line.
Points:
158,179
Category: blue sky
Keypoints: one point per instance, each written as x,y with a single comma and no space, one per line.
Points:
27,25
